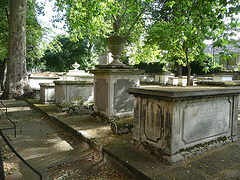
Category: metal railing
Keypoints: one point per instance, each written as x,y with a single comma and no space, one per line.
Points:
2,174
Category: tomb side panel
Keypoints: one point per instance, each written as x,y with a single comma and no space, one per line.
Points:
204,119
235,115
59,94
101,94
156,121
123,101
80,92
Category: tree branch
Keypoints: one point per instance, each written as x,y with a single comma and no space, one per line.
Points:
133,24
6,11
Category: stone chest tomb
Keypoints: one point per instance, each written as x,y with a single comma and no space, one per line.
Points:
110,90
176,123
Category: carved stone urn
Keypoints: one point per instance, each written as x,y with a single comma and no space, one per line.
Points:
116,45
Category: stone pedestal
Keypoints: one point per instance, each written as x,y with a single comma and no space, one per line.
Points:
47,92
110,85
176,123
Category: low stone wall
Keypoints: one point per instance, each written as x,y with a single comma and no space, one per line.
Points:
176,123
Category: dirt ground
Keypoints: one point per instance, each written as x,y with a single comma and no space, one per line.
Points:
53,152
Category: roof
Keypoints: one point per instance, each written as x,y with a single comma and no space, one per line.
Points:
217,50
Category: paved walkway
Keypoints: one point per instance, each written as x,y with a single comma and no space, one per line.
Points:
220,163
55,153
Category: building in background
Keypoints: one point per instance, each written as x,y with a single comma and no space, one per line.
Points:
217,54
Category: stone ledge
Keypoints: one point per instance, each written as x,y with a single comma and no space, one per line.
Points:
118,71
183,92
74,82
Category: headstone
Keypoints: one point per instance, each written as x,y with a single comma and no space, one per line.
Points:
182,80
36,79
105,59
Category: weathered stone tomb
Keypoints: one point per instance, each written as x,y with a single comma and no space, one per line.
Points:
176,123
110,84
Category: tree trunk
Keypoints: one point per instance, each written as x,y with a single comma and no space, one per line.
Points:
2,74
179,70
188,67
17,83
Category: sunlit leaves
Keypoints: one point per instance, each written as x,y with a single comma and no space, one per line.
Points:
93,19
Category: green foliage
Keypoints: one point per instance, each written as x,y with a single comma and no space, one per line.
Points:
144,53
62,53
4,16
203,65
180,27
34,32
94,19
152,67
35,35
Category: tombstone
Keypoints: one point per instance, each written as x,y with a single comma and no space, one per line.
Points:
36,79
73,93
105,59
143,79
75,90
177,123
47,92
110,90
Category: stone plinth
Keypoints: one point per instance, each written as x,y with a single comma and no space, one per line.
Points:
47,92
176,123
110,85
73,93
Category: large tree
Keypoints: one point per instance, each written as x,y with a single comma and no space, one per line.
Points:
17,80
34,35
180,27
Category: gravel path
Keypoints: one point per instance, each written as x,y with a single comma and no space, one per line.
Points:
51,151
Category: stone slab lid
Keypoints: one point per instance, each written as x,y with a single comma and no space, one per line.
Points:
73,82
47,84
50,75
78,73
118,71
183,92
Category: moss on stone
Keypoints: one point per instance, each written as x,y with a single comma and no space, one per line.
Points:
122,126
100,116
